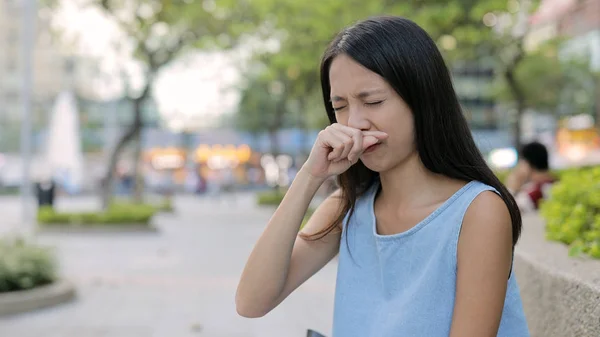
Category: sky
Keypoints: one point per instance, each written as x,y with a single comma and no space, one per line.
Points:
195,87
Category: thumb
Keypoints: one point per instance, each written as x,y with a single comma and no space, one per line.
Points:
369,141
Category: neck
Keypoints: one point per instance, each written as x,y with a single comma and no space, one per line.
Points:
411,184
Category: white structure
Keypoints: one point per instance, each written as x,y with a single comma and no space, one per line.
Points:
64,156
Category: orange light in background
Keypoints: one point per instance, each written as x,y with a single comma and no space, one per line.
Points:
241,154
165,159
244,153
203,153
229,152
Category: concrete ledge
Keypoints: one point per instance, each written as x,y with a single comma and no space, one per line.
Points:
37,298
97,229
561,295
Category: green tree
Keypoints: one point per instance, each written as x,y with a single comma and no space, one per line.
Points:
460,27
262,108
303,31
463,29
160,31
551,84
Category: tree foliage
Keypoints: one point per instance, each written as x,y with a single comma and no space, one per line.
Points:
463,29
158,31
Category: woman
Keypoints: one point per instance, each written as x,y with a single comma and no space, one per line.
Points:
424,230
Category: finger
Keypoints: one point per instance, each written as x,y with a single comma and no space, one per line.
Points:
357,139
377,134
347,142
369,141
334,142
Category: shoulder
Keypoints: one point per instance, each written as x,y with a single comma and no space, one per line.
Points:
487,205
487,214
486,229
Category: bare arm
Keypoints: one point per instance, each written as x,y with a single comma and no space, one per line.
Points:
484,262
281,261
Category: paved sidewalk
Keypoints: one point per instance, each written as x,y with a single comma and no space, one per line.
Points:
177,283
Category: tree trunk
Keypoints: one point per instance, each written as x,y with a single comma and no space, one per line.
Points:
138,174
517,94
519,100
274,149
274,142
276,125
303,128
108,181
138,177
132,133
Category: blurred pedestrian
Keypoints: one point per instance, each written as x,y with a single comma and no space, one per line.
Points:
531,179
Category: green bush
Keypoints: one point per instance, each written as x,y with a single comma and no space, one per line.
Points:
165,206
573,211
270,198
502,175
307,216
117,213
25,266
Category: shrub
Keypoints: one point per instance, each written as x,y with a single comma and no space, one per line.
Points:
118,213
25,266
573,211
270,198
165,206
307,216
502,175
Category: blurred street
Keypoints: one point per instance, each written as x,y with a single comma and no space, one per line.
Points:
114,112
175,283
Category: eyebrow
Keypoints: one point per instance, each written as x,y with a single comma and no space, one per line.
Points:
362,95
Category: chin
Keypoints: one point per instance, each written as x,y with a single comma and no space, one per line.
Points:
375,164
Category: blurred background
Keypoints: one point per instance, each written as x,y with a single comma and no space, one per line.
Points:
147,141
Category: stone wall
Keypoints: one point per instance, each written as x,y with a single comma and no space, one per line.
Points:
561,294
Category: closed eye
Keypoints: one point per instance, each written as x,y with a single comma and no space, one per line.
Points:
336,109
373,103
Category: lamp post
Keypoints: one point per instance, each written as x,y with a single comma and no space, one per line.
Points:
27,45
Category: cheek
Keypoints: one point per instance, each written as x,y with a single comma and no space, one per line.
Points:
341,118
401,131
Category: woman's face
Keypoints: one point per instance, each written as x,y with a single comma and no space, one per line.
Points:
364,100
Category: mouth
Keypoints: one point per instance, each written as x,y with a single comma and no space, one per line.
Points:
372,148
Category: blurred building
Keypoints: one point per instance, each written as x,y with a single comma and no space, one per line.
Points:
48,67
473,83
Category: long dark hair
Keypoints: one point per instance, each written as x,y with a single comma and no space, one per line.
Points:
407,58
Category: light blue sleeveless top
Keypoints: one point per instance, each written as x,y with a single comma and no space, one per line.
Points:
403,285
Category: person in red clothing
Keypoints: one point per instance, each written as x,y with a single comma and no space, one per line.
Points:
531,179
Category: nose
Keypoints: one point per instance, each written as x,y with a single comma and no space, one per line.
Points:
358,120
